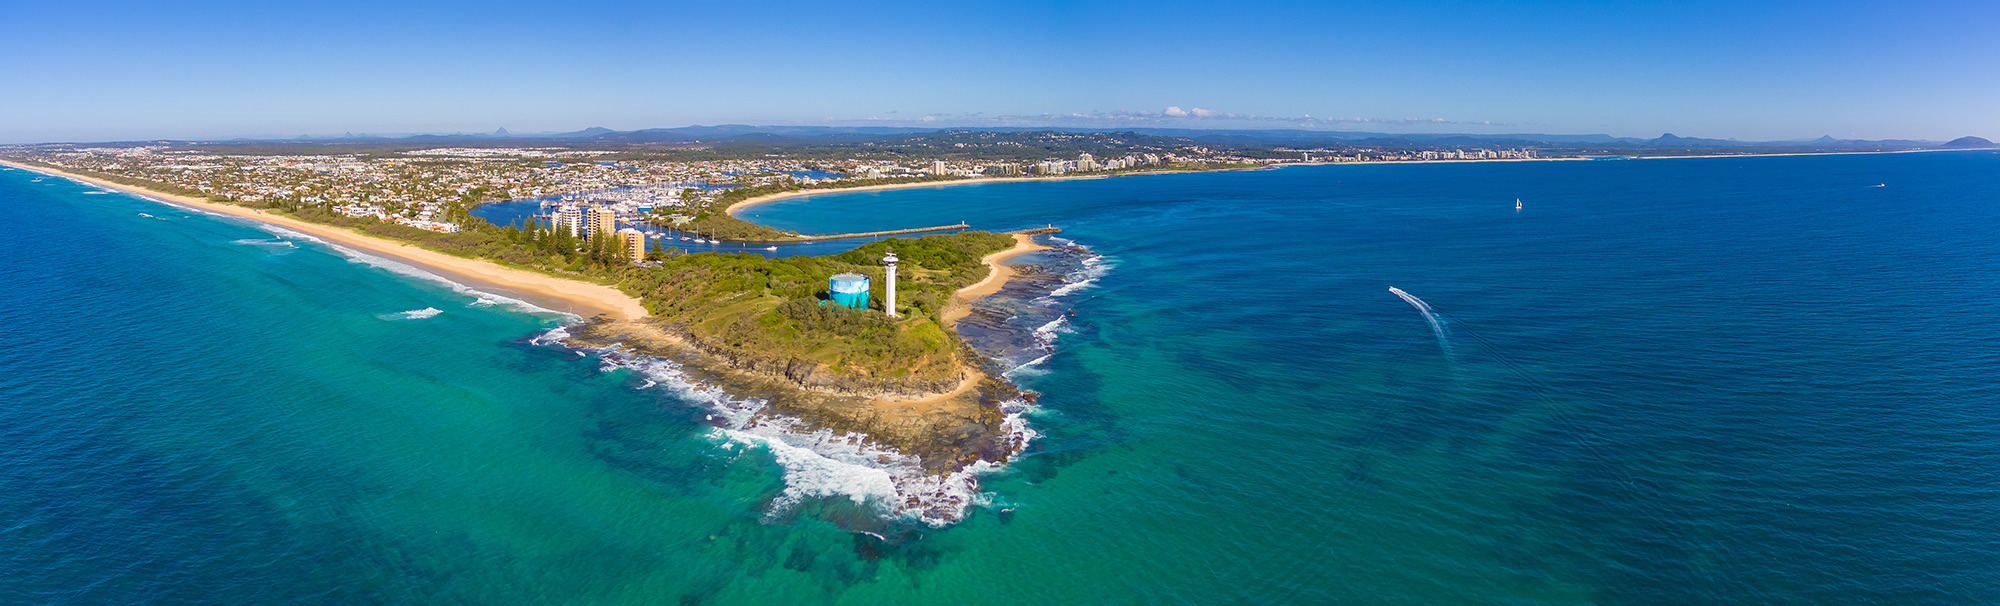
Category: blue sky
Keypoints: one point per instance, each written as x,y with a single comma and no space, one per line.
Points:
89,71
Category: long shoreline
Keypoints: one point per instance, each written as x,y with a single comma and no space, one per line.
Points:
996,278
578,297
783,195
560,294
798,193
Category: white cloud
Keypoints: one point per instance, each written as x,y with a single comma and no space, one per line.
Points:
1209,113
1176,111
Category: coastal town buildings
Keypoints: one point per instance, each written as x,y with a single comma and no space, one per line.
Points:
633,242
600,220
434,189
568,217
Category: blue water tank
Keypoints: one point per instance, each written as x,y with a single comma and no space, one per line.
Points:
848,290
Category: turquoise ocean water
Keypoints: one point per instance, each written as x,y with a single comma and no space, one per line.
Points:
1762,380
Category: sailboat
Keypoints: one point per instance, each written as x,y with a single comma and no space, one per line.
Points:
1517,205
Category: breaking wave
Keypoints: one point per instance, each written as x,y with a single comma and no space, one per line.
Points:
1094,267
550,337
289,234
480,298
414,314
271,243
419,314
821,464
1031,368
1047,332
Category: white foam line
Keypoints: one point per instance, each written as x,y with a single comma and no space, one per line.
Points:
1097,266
824,464
355,256
1027,368
272,243
1046,334
289,234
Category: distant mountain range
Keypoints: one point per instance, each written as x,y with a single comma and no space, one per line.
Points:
740,134
1967,143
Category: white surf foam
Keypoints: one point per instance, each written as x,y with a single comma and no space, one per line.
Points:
414,314
550,336
95,193
419,314
358,257
1029,368
810,474
289,234
1097,266
272,243
823,464
1047,332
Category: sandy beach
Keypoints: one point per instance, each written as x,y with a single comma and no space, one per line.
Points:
765,199
961,306
572,296
997,278
734,208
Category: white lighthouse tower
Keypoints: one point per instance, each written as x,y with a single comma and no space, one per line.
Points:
889,261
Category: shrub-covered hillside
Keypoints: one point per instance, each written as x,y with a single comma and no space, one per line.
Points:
774,308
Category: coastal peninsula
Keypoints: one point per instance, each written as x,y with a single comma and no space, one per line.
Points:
765,330
761,328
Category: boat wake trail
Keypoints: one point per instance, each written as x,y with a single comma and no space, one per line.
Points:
1563,412
1437,327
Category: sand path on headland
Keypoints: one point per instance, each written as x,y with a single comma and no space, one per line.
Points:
995,279
961,306
573,296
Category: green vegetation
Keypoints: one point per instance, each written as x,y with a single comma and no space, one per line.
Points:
773,308
743,304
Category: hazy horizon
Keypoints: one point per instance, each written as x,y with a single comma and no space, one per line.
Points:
515,133
121,71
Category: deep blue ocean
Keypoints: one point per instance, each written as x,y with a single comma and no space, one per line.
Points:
1732,380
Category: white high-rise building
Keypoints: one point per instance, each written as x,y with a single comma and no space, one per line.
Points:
570,217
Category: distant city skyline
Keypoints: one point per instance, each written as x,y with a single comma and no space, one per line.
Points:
1752,71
